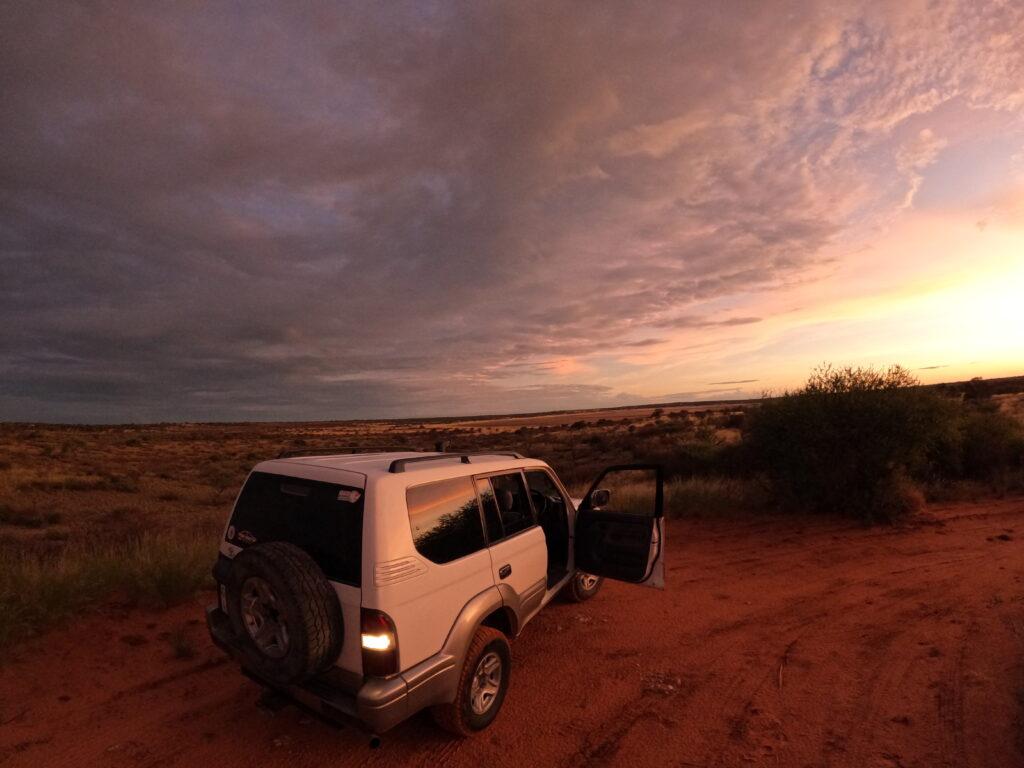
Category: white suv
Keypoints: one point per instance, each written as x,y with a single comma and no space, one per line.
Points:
371,586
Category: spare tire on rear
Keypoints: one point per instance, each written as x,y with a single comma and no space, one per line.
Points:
284,612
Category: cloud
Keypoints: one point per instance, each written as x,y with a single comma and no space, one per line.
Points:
738,381
349,210
643,343
703,322
916,155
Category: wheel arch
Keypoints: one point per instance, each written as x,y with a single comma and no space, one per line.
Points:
487,606
504,620
484,609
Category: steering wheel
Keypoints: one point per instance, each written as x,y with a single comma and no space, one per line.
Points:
540,502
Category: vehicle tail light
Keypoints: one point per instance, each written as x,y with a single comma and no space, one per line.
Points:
379,643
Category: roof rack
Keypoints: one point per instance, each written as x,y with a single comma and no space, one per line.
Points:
398,465
330,451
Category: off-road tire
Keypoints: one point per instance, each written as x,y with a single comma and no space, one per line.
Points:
578,592
308,605
458,716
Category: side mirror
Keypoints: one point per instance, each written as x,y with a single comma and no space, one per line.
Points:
600,498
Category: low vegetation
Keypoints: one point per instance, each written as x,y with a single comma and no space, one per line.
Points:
714,496
133,512
181,644
692,497
153,572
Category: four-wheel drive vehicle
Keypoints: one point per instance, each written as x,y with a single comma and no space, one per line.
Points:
371,586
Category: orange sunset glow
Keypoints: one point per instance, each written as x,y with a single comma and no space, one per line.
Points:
423,210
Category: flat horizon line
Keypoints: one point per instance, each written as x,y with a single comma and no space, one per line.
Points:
473,417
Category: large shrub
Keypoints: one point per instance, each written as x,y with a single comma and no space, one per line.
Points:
852,441
992,445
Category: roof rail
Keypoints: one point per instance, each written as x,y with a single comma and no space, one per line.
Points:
330,451
398,465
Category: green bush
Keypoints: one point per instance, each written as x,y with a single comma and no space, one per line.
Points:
686,458
853,441
991,444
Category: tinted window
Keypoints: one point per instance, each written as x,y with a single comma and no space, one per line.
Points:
551,509
513,503
545,494
445,519
324,519
494,531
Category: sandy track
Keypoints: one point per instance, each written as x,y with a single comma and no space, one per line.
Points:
796,643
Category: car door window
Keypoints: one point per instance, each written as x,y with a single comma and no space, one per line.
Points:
506,504
630,491
490,506
547,499
552,511
445,519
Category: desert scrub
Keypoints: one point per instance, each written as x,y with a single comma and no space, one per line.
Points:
166,570
153,571
854,441
690,497
181,644
991,446
714,496
107,483
28,518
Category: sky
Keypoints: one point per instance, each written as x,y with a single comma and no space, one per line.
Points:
235,211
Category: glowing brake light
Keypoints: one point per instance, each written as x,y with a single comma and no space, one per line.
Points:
380,644
376,642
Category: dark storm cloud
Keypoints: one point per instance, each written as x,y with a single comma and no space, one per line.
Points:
224,211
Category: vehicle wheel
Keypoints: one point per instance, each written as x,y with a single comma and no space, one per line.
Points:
583,586
482,685
284,612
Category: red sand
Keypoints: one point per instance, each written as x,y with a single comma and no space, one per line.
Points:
794,643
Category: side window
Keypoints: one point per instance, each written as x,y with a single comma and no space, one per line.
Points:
445,519
512,502
494,530
547,499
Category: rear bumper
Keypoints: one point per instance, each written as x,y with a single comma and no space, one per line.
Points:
377,703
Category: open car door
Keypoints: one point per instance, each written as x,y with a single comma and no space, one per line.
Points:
619,531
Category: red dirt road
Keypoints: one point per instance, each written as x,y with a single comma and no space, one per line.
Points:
794,643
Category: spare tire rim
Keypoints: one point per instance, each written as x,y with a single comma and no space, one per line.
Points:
486,683
263,619
588,581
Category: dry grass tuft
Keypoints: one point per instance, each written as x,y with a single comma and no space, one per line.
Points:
693,497
182,646
156,571
714,496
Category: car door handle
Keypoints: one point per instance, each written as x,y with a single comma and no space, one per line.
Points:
505,571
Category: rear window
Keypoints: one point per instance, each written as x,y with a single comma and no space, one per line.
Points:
445,519
324,519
